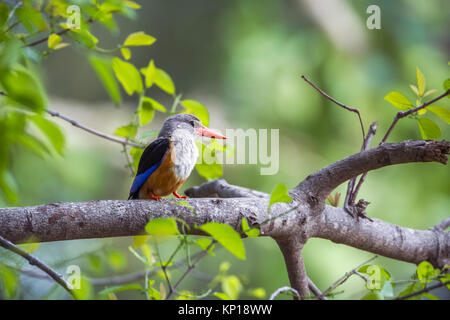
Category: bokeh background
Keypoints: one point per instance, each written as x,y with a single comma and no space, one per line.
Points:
243,60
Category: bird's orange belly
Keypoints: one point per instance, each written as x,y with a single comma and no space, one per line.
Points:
163,181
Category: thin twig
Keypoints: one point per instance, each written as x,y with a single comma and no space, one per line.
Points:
189,269
366,145
316,291
402,114
36,262
338,103
283,289
94,132
60,33
346,276
427,289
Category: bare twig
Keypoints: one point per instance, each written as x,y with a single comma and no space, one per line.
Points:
424,290
338,103
351,192
315,290
94,132
36,262
283,289
346,276
403,114
189,269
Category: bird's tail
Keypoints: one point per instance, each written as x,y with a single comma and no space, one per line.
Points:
134,195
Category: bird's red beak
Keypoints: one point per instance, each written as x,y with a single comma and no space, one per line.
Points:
206,132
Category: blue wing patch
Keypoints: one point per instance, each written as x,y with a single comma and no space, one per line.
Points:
141,178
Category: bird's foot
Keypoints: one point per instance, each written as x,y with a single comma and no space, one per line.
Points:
358,210
178,196
153,197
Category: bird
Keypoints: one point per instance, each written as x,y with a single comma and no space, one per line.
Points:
168,161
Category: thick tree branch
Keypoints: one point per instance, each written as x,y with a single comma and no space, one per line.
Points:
317,186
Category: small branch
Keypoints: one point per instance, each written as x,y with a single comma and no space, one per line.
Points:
427,289
223,189
315,290
283,289
338,103
351,192
403,114
60,33
94,132
441,226
346,276
36,262
189,269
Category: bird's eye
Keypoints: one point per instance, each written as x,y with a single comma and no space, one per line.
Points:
192,123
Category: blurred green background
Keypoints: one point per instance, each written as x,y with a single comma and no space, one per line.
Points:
243,60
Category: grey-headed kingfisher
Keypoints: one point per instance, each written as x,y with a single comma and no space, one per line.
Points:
168,161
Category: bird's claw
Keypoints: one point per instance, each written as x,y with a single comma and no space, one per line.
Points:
178,196
358,210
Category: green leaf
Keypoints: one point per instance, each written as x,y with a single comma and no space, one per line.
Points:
259,293
9,187
51,131
398,100
378,276
279,194
425,272
149,134
126,287
441,112
33,144
209,171
126,53
145,111
139,39
104,71
30,17
128,76
413,287
162,227
428,129
421,85
150,72
430,296
414,89
446,86
54,42
86,291
164,81
84,37
222,296
204,243
197,109
116,260
4,13
429,92
253,232
127,131
24,88
156,105
373,296
232,286
139,241
132,4
136,154
226,236
9,281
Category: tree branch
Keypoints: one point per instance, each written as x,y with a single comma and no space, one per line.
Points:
36,262
427,289
94,132
317,186
338,103
403,114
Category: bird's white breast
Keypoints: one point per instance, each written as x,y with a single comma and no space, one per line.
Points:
184,153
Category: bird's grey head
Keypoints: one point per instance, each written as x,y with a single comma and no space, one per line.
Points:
181,121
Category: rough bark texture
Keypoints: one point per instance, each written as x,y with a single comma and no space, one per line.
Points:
309,216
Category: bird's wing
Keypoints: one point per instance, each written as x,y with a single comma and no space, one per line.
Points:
149,162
